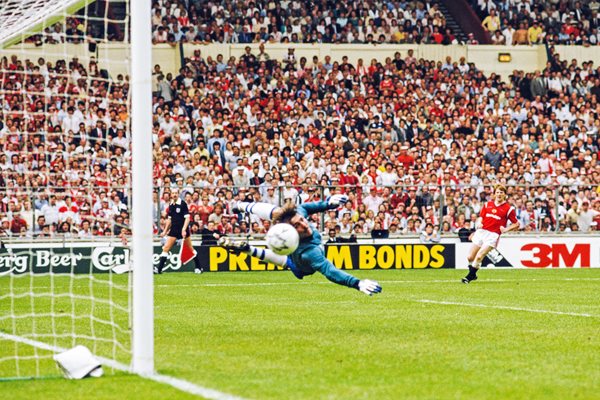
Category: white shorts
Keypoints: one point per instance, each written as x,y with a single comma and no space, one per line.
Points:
485,238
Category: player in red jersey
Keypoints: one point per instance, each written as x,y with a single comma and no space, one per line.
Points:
491,223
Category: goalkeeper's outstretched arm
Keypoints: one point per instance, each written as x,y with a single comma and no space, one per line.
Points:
330,203
316,258
324,266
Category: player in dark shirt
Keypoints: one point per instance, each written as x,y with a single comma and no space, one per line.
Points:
177,227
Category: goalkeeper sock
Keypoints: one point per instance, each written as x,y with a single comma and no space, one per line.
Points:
267,255
263,210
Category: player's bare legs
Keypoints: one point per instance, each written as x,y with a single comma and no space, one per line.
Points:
169,243
472,254
483,251
475,258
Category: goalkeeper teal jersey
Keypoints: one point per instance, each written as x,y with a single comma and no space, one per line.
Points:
309,257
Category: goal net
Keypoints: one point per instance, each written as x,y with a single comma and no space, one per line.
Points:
66,193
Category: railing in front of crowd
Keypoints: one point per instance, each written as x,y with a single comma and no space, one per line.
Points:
539,208
438,203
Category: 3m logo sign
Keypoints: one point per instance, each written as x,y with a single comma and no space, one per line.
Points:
543,255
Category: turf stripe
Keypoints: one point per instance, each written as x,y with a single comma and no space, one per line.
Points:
480,282
379,281
177,383
533,310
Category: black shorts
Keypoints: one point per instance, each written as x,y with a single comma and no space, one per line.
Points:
176,233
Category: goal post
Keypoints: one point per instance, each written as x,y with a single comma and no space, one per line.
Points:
59,292
143,289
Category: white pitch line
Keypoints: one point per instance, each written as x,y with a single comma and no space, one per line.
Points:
177,383
381,281
533,310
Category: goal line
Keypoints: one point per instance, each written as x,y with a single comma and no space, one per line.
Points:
180,384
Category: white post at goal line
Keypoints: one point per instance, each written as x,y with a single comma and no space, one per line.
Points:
141,103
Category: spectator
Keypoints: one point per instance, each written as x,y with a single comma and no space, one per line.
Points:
491,23
430,234
378,232
521,35
17,224
586,217
535,33
498,38
465,232
332,236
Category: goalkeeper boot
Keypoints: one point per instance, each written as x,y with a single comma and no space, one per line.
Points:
471,276
234,246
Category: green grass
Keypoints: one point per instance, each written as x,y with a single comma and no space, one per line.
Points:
268,336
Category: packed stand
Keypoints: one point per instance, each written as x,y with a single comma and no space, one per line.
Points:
65,150
388,134
373,21
412,142
522,22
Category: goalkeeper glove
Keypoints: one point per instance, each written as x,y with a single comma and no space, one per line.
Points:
369,287
337,200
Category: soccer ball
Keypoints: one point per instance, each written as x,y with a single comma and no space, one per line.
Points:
283,239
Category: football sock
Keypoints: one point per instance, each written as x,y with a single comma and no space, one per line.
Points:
267,255
162,261
263,210
472,271
197,261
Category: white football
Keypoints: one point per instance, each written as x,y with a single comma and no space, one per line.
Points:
283,239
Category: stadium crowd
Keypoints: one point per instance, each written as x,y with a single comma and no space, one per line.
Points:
322,21
537,21
511,22
412,142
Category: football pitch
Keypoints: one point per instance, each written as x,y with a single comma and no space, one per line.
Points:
513,334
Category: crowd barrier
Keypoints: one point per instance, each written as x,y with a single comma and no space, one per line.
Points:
530,252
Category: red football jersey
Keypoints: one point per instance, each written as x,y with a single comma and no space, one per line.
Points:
494,216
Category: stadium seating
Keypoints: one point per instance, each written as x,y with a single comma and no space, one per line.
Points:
290,21
411,141
558,22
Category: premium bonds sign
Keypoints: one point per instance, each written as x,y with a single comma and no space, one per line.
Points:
349,257
391,256
220,259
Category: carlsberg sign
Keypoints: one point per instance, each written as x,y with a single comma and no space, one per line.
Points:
79,259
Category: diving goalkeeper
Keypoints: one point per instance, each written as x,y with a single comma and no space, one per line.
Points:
309,257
